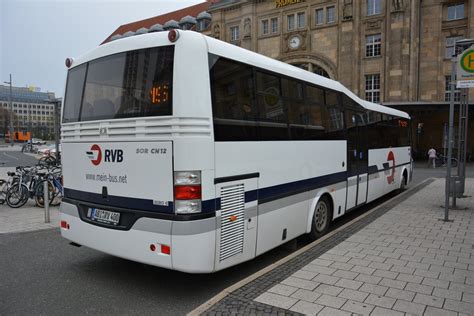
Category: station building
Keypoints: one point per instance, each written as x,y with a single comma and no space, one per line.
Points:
393,52
31,111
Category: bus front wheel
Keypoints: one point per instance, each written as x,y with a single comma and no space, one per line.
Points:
321,218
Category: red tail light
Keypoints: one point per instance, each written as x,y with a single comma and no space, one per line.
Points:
187,192
64,225
166,249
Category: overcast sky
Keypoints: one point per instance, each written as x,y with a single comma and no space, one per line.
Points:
36,36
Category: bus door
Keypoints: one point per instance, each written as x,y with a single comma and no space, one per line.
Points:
357,159
237,225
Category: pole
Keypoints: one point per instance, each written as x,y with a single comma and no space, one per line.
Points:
46,201
11,113
450,136
57,102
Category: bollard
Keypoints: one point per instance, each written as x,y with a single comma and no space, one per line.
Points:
46,201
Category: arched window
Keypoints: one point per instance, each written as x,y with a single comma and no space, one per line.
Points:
313,68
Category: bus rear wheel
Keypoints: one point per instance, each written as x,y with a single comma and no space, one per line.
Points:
321,218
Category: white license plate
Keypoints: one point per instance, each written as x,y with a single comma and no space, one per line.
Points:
103,216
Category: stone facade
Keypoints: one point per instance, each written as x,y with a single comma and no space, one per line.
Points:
411,66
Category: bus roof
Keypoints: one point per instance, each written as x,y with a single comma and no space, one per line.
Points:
231,51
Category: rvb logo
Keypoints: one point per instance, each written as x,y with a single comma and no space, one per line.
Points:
110,155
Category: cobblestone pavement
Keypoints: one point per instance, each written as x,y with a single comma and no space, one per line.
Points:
399,260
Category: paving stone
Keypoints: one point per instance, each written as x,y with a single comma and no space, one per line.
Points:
461,307
353,295
456,265
341,266
364,270
409,307
336,258
385,274
359,262
380,266
452,277
374,258
461,287
428,300
374,289
350,284
276,300
419,288
417,265
328,289
331,301
306,308
400,294
318,269
358,307
436,283
283,289
451,294
441,269
306,295
329,311
345,274
425,273
393,283
409,278
354,255
368,278
322,262
433,311
326,279
380,300
380,311
300,283
302,274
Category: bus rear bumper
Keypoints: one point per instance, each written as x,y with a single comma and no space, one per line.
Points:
191,244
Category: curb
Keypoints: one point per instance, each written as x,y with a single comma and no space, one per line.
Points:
218,297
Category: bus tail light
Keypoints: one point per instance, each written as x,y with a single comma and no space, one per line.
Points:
187,192
173,35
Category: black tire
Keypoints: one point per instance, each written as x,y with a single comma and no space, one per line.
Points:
321,218
47,161
403,182
17,196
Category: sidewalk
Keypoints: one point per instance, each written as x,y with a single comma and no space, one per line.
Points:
26,218
400,259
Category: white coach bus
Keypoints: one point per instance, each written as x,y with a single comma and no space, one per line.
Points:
189,153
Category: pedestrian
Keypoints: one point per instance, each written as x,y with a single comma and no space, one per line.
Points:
432,157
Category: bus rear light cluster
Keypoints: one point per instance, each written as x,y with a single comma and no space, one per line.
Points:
164,249
187,192
64,225
173,35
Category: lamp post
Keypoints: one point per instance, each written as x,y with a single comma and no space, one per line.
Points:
56,105
11,109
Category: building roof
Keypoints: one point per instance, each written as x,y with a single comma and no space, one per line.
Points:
177,15
20,94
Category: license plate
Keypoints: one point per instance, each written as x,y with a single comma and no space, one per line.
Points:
103,216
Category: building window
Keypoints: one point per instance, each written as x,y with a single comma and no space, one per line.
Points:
291,22
456,12
373,45
374,7
264,27
331,14
450,45
234,33
372,88
447,90
301,17
319,16
274,23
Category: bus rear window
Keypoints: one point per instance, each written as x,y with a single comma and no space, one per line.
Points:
130,84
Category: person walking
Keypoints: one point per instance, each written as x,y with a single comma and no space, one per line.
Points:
432,157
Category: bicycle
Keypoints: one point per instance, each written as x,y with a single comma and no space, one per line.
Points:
25,188
442,161
55,188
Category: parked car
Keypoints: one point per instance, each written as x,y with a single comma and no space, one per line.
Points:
37,141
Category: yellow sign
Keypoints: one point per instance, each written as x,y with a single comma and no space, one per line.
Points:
284,3
467,61
465,69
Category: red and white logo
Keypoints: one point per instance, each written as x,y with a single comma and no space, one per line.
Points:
391,177
95,154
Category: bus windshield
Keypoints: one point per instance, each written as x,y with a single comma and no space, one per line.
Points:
131,84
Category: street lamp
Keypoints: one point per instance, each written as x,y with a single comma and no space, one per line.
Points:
56,105
11,109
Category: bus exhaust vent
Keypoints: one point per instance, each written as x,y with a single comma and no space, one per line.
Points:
232,221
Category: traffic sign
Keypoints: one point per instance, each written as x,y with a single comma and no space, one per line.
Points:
465,69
